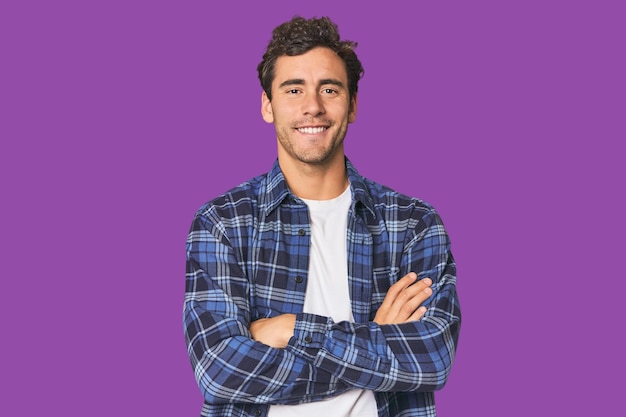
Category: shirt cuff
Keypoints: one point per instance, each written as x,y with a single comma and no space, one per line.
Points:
309,334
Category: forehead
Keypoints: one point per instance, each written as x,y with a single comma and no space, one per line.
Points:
311,67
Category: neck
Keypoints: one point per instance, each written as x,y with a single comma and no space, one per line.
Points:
315,182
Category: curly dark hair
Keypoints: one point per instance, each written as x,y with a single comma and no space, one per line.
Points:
297,37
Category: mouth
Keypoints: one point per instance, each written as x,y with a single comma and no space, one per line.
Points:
311,130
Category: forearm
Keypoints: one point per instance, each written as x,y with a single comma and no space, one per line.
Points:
405,357
231,367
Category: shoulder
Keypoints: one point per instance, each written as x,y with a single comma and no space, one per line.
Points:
393,206
386,197
240,201
404,218
381,200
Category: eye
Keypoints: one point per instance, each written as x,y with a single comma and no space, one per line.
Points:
329,91
293,91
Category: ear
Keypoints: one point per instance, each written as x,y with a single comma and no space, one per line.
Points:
266,108
352,110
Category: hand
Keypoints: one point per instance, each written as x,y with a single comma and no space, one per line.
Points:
403,300
275,331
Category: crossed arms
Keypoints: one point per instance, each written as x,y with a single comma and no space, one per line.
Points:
402,304
288,358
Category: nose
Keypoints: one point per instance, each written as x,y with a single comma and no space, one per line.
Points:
313,105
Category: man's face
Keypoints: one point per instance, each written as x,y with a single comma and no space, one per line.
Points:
310,106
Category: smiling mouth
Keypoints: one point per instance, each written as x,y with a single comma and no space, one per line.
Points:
311,130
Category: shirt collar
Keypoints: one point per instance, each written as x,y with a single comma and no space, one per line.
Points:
276,189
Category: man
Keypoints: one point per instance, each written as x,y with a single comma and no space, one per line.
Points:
312,289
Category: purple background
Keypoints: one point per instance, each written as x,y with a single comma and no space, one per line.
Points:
118,119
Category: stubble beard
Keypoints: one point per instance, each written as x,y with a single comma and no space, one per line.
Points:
316,154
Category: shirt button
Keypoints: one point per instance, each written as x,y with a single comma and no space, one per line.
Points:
301,232
299,279
257,413
308,339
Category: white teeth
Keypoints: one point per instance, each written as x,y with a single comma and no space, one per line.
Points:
311,130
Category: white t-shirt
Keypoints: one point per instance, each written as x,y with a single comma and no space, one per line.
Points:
328,294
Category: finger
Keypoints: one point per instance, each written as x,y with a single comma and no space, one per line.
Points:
420,291
402,299
411,305
404,282
397,288
419,313
399,294
422,283
384,314
404,290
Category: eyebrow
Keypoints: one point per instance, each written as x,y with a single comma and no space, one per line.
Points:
331,81
293,81
300,81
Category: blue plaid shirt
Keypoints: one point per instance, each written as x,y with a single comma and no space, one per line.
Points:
248,258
